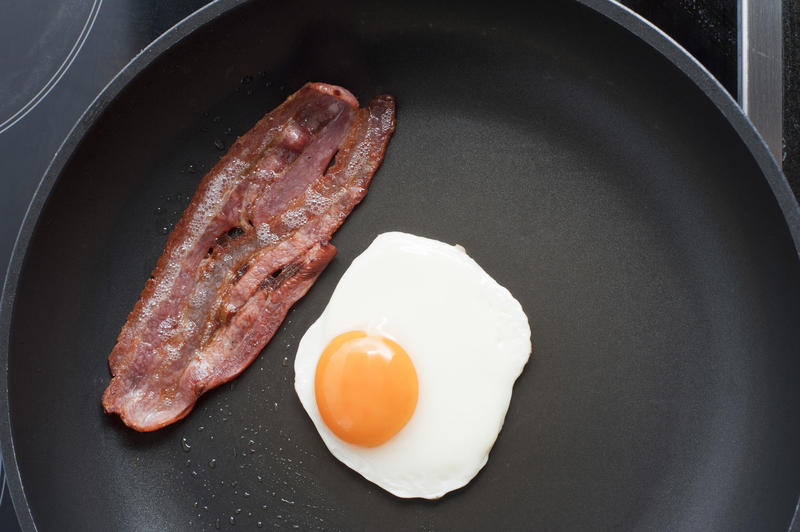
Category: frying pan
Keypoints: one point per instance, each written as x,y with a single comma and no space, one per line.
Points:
581,157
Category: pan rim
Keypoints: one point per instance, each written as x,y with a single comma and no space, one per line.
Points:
611,9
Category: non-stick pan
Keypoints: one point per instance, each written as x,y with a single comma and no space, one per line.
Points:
580,156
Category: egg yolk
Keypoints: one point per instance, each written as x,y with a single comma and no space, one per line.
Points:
366,388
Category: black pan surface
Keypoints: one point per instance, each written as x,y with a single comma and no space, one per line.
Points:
582,159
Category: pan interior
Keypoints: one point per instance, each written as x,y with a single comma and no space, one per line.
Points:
574,163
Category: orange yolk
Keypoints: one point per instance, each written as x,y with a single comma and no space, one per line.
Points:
366,388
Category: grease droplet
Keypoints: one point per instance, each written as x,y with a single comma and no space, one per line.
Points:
185,445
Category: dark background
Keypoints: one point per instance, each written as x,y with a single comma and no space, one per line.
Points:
39,34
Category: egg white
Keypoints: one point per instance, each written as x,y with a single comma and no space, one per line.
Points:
468,338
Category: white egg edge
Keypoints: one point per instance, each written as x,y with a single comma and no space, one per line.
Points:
305,388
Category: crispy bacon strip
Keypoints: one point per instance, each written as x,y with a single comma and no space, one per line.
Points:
250,244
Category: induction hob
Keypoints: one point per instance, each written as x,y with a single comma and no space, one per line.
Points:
60,54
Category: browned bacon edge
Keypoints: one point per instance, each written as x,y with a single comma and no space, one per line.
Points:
250,244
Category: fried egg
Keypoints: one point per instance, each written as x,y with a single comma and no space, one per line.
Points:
407,375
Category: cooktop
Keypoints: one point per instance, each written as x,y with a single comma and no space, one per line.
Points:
60,55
